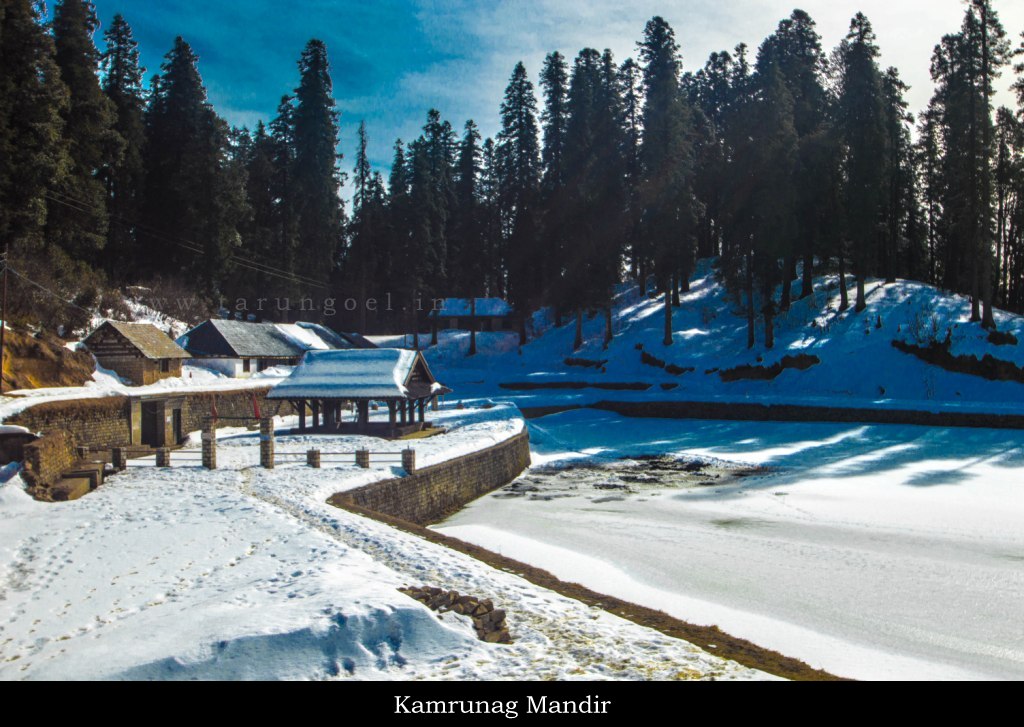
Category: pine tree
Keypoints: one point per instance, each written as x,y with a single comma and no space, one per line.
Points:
466,253
862,108
362,261
668,204
33,150
518,172
631,92
79,223
898,209
795,49
124,179
315,178
194,195
554,80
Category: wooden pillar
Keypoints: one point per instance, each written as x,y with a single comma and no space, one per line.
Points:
302,416
316,414
391,413
422,406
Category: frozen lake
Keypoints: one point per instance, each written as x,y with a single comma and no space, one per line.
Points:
871,551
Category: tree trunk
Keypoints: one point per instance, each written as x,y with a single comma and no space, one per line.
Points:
750,301
578,340
788,273
769,321
675,290
844,295
861,299
668,315
807,285
522,329
607,325
472,327
433,332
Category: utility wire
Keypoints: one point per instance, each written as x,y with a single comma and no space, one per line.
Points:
252,264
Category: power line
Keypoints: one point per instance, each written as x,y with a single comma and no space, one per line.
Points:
246,263
58,296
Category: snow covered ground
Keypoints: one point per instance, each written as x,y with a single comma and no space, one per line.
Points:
871,551
248,573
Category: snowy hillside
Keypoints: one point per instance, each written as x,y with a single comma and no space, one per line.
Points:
856,362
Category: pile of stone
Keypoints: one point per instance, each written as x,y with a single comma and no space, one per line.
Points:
488,621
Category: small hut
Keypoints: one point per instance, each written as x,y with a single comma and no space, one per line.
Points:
138,352
327,382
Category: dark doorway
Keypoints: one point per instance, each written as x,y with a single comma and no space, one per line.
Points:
152,412
176,425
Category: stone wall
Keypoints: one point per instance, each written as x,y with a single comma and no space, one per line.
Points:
106,422
794,413
98,422
436,492
47,457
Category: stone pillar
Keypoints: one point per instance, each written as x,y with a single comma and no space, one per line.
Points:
119,459
313,458
409,460
163,457
267,443
363,458
82,452
209,438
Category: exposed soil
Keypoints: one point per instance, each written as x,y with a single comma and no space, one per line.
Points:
989,367
33,362
799,362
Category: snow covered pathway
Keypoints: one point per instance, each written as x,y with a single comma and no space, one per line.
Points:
869,551
248,573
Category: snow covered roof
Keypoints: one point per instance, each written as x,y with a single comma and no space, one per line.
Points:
146,338
269,340
380,373
459,307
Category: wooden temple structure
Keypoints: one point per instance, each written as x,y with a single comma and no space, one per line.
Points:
326,385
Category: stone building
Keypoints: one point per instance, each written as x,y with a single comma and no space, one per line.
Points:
138,352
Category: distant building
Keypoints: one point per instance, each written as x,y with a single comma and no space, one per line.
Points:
480,314
138,352
240,349
327,382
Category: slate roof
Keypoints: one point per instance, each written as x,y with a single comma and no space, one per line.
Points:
237,339
380,373
460,307
146,338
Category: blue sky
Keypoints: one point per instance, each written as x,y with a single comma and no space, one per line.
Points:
392,60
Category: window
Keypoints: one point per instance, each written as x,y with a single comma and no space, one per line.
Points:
246,365
165,366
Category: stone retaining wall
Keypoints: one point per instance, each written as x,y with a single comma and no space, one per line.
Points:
436,492
47,457
105,422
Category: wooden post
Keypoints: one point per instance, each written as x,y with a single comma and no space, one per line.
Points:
391,413
267,443
363,458
422,406
313,458
302,416
402,407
